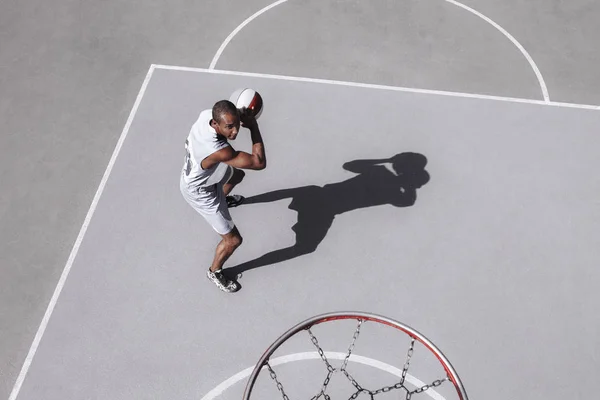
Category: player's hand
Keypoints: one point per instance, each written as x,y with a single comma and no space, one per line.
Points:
247,118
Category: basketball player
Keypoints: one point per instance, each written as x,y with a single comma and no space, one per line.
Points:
212,169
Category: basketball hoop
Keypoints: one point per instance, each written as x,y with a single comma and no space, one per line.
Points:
360,317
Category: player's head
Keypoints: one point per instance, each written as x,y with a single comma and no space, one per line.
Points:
225,119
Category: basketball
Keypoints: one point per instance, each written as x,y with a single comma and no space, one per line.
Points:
248,98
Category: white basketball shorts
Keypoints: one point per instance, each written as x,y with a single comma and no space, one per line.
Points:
210,203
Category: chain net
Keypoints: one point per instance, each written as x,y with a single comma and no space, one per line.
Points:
359,389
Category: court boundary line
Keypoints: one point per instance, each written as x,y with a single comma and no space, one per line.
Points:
378,87
478,14
63,277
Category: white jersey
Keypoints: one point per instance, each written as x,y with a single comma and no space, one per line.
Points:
201,142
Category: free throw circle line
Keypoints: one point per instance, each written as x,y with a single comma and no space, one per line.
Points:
239,28
223,386
510,37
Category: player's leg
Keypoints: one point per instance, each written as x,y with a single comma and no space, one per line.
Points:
225,249
223,224
231,239
236,176
229,242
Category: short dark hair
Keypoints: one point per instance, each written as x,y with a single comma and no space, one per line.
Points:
223,107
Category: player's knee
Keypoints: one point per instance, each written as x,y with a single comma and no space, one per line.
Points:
235,241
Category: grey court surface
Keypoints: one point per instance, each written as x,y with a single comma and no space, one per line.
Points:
473,221
70,73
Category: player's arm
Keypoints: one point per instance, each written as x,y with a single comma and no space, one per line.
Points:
243,160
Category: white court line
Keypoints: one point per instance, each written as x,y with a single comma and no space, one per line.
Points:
69,264
379,87
514,41
239,28
223,386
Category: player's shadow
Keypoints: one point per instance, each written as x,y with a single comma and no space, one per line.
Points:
317,206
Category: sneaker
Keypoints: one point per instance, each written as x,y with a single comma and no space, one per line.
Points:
234,200
222,283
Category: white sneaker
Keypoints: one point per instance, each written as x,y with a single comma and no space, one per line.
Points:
222,283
